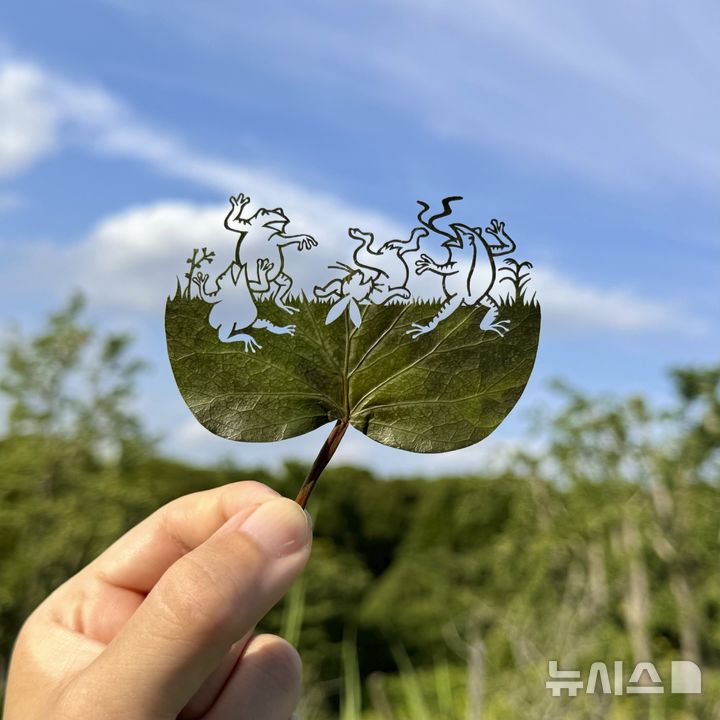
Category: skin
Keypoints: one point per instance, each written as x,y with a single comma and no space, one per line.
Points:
160,626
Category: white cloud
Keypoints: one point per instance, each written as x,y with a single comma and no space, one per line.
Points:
557,87
571,305
606,91
28,124
43,112
126,257
129,260
610,92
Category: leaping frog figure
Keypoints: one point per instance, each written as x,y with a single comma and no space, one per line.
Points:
468,275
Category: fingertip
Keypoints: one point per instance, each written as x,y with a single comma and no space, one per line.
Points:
266,683
278,660
279,526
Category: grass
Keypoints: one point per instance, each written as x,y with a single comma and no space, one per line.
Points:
518,274
441,691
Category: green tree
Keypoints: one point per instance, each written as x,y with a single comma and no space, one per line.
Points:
73,389
66,489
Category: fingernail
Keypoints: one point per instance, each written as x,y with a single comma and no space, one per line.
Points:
280,527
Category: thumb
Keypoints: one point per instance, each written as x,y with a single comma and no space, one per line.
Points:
207,600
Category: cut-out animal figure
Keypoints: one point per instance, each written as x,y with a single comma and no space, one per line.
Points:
386,264
468,275
379,275
347,292
233,304
263,237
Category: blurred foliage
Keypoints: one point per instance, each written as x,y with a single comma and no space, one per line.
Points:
436,598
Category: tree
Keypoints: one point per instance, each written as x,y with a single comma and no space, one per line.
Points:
65,486
73,389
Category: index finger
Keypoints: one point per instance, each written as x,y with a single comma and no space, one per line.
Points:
140,557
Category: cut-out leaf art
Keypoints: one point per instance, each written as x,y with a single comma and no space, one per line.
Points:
423,343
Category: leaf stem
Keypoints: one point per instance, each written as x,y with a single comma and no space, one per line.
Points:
323,458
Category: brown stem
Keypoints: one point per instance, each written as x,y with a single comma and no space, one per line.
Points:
323,458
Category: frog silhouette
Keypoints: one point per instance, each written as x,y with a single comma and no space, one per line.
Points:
468,274
233,309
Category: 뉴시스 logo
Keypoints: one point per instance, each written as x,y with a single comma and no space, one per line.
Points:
685,679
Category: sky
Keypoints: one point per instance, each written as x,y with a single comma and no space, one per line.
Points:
590,128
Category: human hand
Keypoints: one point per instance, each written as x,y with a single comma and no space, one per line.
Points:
160,625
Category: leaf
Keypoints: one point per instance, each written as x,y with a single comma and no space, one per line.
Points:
446,390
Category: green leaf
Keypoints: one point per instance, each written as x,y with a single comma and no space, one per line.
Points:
446,390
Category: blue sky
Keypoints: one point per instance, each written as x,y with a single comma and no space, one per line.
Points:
590,128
